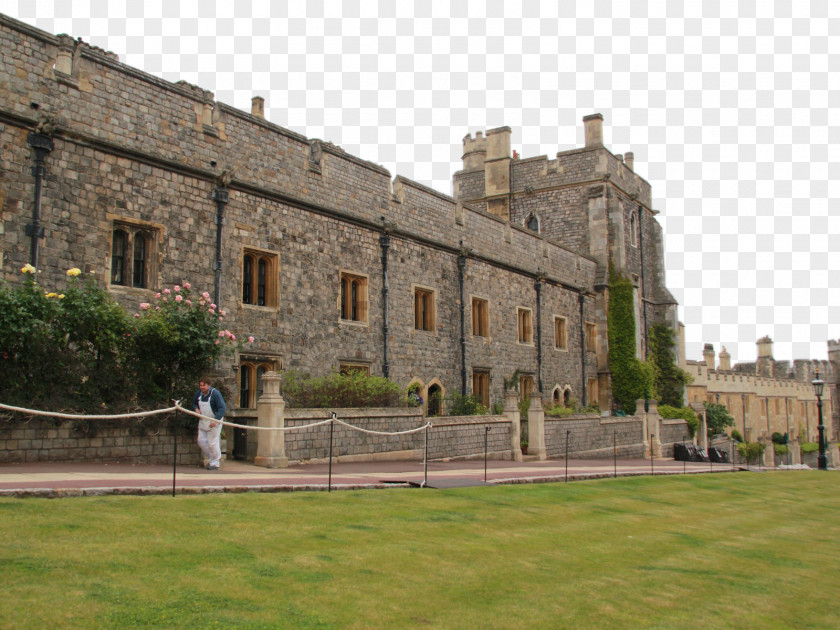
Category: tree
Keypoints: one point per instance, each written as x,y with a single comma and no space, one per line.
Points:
670,380
717,418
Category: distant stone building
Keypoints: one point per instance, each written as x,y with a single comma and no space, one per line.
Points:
318,254
768,396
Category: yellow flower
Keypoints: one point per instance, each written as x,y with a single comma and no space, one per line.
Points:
27,268
61,296
52,295
75,271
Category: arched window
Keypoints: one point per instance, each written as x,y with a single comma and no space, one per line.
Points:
434,398
533,223
251,382
567,397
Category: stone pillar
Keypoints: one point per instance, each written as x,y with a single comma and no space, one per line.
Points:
702,437
795,452
656,422
651,427
511,412
833,453
536,427
271,445
64,60
769,452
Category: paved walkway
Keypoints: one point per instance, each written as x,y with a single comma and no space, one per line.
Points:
87,479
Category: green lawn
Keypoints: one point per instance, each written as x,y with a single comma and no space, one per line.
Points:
744,550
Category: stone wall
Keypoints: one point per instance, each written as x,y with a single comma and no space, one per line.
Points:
47,440
592,436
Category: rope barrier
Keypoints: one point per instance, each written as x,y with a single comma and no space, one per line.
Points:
72,416
178,407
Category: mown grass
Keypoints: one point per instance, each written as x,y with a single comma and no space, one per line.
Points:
713,551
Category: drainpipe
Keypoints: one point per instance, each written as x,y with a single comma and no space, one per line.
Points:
538,289
41,144
384,244
462,265
582,350
221,196
644,301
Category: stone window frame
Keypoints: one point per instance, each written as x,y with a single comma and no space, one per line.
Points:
592,392
634,230
350,313
425,308
348,367
590,336
524,326
132,229
480,314
249,266
248,379
481,385
561,335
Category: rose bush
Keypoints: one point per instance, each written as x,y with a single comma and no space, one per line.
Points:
79,349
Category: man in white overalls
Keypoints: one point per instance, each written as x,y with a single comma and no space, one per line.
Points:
210,403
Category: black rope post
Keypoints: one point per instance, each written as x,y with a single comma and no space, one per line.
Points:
684,451
174,448
651,453
329,479
426,457
568,431
486,432
615,453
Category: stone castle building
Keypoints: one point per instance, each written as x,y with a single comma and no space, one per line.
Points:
321,256
769,396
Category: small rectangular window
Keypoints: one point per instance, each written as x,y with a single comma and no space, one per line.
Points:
424,309
560,333
480,317
354,368
259,278
354,297
132,255
525,332
481,386
590,336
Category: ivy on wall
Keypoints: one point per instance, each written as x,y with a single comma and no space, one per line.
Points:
670,380
630,377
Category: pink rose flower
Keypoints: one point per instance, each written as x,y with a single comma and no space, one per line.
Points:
177,288
167,291
157,295
250,339
178,298
188,302
144,306
187,285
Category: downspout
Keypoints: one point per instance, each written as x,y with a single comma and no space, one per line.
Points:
644,299
462,265
538,289
221,197
582,350
41,144
385,243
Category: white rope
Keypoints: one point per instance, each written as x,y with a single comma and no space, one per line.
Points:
417,430
178,407
72,416
250,426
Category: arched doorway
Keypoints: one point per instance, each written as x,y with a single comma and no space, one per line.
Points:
434,400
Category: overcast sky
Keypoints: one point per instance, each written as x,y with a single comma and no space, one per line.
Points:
731,109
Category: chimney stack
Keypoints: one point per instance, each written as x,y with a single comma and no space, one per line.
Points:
628,160
593,127
725,359
258,107
709,356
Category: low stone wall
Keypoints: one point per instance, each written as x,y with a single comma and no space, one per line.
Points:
49,440
671,431
591,436
312,444
463,437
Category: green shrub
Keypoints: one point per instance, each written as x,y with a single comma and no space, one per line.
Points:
751,451
468,405
686,413
559,411
336,390
780,449
498,408
779,438
736,435
809,447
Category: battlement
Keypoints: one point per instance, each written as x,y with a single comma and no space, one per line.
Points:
475,151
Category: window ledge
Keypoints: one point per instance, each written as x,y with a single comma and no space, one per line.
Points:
352,323
256,307
135,291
